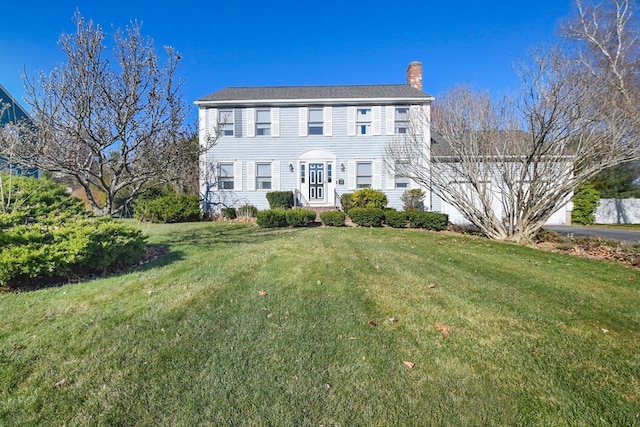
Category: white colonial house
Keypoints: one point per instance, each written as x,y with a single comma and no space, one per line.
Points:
316,141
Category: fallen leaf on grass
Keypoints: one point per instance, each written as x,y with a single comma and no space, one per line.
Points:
319,282
443,328
352,337
393,319
409,364
431,286
604,331
262,293
61,383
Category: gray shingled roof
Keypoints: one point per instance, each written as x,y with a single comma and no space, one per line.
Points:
293,93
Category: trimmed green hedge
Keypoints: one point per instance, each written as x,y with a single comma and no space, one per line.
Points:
333,218
169,208
429,220
395,219
300,217
271,218
367,217
280,199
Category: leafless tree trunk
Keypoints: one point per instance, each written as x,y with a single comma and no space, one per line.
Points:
112,122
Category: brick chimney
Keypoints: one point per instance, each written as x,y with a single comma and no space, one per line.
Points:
414,75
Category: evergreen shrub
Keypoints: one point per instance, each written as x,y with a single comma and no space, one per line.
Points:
300,217
271,218
280,199
369,198
585,202
367,217
430,220
395,219
333,218
345,201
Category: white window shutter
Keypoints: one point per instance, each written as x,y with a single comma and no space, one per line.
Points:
377,174
212,120
251,176
275,176
391,119
376,118
328,121
237,176
351,121
351,175
303,114
251,123
275,122
390,178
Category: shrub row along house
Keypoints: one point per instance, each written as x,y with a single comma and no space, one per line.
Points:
316,141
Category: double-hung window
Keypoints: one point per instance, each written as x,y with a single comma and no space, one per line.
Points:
263,122
263,176
225,122
316,119
363,121
401,179
401,120
225,176
363,175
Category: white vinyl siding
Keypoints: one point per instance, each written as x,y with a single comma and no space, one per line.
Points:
211,121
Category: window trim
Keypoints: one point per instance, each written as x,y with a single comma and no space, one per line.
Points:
226,128
263,125
262,179
359,176
227,179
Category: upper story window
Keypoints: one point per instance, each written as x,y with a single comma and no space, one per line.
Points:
363,174
316,119
263,176
263,122
225,176
363,121
401,120
225,122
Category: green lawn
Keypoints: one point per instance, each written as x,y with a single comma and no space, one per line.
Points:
535,338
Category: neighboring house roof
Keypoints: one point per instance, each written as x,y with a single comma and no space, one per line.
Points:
307,94
15,112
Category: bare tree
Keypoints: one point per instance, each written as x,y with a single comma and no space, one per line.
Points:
112,122
508,165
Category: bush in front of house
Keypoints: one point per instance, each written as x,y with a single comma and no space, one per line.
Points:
345,201
333,218
367,217
247,211
168,207
369,198
272,218
280,199
430,220
413,199
229,213
300,217
395,219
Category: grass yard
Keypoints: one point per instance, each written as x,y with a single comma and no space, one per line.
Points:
291,327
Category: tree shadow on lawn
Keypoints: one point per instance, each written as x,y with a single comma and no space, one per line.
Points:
209,237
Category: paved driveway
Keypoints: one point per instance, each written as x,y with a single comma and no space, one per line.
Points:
626,236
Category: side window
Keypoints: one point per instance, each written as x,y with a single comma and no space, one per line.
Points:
363,175
315,121
263,122
225,176
263,176
401,120
363,121
225,122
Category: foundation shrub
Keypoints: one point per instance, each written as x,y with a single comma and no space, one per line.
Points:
333,218
367,217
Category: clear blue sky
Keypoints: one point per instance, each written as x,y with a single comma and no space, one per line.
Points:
265,43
